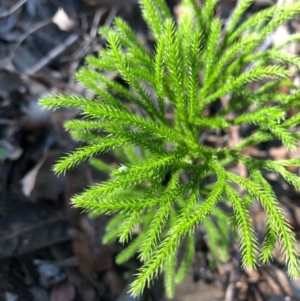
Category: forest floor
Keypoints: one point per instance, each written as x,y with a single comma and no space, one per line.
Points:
49,250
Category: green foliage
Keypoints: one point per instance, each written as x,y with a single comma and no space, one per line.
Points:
194,63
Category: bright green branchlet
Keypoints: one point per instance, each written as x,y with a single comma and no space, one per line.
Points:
155,128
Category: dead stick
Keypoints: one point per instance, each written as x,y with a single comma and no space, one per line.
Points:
12,9
53,54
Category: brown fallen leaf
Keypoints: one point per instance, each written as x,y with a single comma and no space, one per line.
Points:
63,292
279,153
278,281
91,254
28,181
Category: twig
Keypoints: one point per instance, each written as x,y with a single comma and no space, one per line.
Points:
41,78
111,16
231,289
53,54
93,33
67,262
8,122
83,49
13,8
99,13
26,35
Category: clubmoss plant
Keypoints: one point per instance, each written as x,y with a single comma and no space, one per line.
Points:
155,126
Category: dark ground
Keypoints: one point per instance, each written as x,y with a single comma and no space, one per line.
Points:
48,250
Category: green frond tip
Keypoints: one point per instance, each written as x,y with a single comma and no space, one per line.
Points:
237,14
84,153
248,243
60,101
